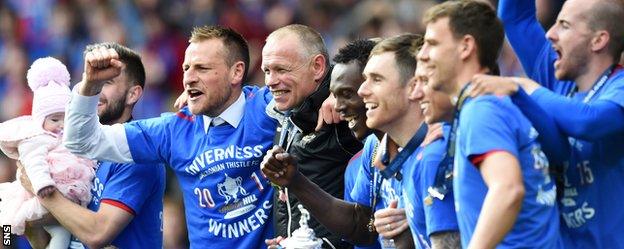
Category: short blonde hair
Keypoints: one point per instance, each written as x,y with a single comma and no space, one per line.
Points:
234,43
311,39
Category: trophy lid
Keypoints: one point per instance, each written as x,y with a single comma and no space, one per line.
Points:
303,237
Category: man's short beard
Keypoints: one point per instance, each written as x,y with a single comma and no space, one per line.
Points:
114,110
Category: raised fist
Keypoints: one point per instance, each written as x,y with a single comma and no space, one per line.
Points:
101,65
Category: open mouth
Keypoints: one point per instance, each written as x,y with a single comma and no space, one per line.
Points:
370,108
559,54
193,94
424,107
278,92
351,121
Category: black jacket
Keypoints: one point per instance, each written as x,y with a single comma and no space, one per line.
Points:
322,158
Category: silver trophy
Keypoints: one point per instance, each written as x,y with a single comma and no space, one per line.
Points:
303,237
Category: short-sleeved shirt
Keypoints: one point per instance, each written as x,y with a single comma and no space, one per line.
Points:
427,215
227,200
423,221
489,124
351,174
137,189
368,178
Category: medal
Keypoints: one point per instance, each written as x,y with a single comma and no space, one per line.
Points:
375,187
371,226
428,200
433,192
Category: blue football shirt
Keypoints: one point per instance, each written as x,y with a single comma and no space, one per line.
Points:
367,178
137,189
489,124
593,190
228,202
350,177
427,215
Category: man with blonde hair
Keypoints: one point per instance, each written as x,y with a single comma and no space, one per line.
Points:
297,72
215,145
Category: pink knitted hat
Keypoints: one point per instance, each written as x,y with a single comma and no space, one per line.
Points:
49,80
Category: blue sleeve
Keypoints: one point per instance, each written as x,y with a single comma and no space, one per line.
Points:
268,96
487,124
131,184
528,40
149,140
614,88
350,175
262,92
592,121
440,215
554,143
361,187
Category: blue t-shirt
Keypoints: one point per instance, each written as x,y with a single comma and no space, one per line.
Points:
139,187
427,215
351,173
350,177
228,202
389,190
489,124
594,190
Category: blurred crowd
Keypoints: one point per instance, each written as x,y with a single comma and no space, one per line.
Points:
158,29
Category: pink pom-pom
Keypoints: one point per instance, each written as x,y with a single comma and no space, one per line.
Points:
47,69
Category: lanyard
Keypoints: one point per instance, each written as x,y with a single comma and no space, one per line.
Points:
600,82
397,163
443,182
375,187
597,85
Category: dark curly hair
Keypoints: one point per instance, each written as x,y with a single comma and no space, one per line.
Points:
357,50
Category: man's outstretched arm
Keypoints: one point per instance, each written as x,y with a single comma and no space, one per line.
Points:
528,40
83,134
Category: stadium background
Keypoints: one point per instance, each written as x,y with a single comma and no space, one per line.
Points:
159,29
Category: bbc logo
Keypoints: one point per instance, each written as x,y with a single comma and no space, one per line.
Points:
6,235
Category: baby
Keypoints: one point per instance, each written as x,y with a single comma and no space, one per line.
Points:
36,142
